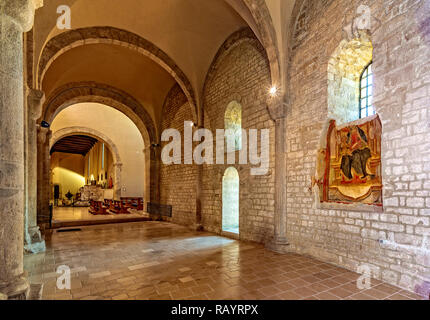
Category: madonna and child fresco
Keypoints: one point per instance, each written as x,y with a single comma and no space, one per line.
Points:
349,168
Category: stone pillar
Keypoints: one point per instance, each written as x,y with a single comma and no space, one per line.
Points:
117,182
33,239
152,174
43,176
155,165
278,112
199,183
147,178
16,17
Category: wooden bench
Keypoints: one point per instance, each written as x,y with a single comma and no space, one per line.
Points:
134,203
97,208
118,207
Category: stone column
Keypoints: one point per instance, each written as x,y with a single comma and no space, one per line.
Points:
199,183
43,176
147,178
155,163
33,239
152,174
16,17
278,112
117,182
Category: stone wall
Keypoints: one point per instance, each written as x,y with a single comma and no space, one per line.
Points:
178,181
400,36
240,72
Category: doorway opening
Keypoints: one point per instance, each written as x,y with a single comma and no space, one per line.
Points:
230,201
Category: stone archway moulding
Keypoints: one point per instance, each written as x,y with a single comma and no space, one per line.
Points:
263,19
81,92
65,132
66,41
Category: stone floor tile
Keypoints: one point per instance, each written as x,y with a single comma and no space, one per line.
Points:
163,261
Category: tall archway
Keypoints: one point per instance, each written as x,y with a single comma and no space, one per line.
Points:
74,93
230,201
65,132
81,92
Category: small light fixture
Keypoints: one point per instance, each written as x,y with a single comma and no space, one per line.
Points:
44,124
273,91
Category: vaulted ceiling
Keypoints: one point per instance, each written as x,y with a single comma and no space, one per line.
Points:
190,32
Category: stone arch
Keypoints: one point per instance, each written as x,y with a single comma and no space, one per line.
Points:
74,93
82,92
66,41
65,132
344,70
263,19
299,23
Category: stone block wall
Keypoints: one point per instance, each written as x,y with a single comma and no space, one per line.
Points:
400,35
240,72
178,181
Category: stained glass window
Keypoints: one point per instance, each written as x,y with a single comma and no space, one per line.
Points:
366,93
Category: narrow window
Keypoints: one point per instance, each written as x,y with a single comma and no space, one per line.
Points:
233,122
366,93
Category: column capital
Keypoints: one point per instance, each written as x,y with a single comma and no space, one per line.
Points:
278,106
20,11
35,100
43,134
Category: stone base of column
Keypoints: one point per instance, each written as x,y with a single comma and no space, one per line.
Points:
278,244
36,243
198,227
17,290
36,292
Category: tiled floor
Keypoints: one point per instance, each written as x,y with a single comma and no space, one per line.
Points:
73,214
158,260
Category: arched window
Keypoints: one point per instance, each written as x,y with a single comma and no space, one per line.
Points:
230,201
233,122
366,93
346,78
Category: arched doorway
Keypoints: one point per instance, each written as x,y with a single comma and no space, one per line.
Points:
230,201
113,168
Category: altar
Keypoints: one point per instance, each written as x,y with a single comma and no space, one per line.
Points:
90,192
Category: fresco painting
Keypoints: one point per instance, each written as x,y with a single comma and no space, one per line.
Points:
349,168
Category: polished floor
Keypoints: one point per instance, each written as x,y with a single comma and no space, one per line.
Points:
163,261
69,214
